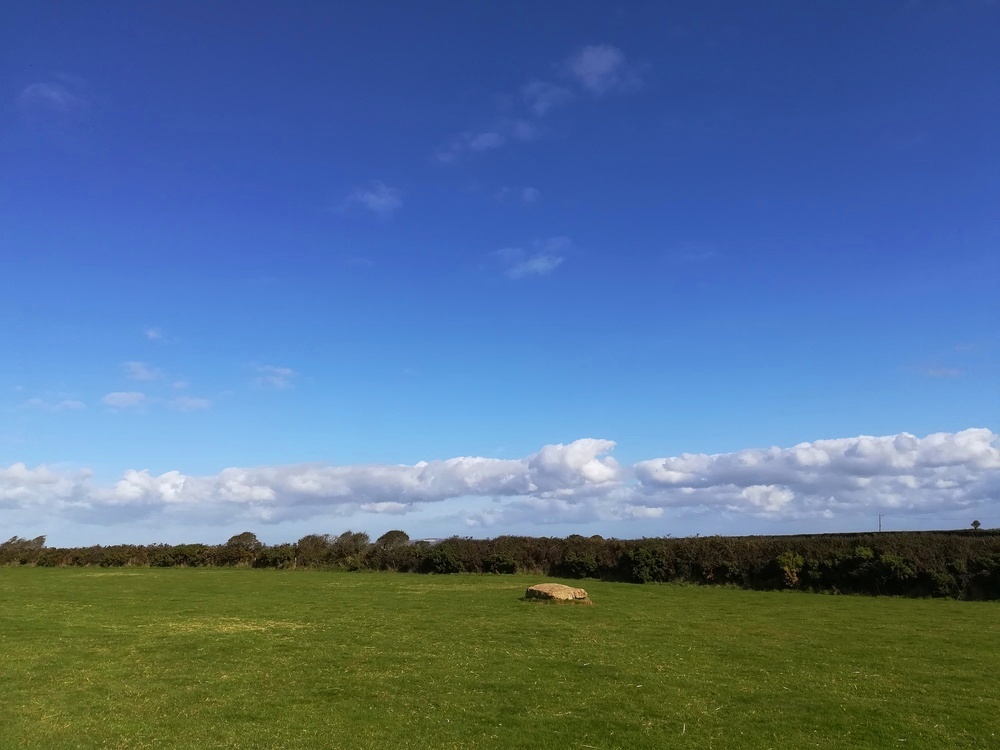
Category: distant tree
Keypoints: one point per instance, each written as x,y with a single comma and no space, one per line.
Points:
16,542
976,525
392,539
313,550
241,549
349,546
391,551
21,551
246,541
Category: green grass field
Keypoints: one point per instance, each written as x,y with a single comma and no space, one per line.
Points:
93,658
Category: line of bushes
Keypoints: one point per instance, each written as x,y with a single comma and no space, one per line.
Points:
962,565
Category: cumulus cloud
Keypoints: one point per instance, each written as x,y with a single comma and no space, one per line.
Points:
377,197
272,376
829,477
530,194
574,482
558,472
124,399
41,488
153,334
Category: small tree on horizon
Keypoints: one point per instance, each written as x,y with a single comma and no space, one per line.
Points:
976,525
392,539
241,549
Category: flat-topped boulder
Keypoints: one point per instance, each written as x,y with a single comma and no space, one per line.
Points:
556,592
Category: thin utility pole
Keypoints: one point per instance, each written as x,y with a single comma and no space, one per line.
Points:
880,522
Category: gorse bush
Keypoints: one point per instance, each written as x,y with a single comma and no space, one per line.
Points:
960,564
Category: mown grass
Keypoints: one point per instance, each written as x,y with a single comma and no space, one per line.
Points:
183,658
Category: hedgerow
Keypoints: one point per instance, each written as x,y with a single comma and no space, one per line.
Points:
958,564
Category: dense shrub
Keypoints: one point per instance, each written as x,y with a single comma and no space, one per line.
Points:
959,564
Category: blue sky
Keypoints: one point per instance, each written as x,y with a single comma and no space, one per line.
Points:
313,243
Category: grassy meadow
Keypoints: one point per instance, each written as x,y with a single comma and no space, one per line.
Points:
186,658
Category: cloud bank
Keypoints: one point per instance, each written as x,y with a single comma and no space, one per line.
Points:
827,477
902,473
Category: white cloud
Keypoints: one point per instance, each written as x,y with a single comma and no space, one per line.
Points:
535,265
503,132
65,404
542,97
897,472
58,110
141,371
41,488
576,482
530,194
271,376
389,508
561,470
190,403
602,69
597,70
378,198
124,399
486,141
276,493
52,97
509,255
545,257
153,334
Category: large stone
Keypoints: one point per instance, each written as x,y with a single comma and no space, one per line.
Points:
556,591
